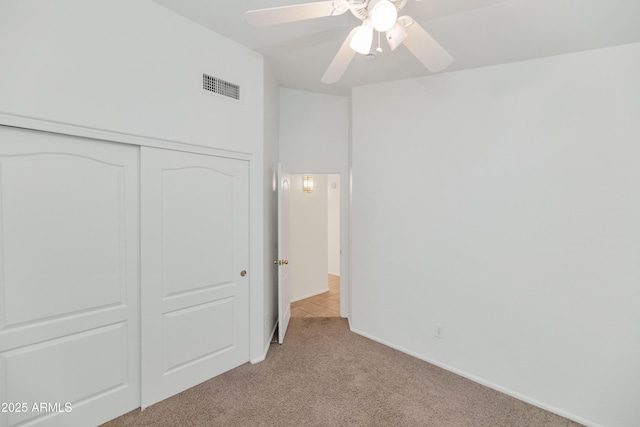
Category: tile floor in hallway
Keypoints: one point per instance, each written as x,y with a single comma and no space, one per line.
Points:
326,304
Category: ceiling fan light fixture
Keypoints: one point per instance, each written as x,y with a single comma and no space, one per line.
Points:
362,39
396,35
383,15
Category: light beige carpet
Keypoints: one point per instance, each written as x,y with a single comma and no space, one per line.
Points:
324,375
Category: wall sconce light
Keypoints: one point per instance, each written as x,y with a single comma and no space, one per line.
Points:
307,184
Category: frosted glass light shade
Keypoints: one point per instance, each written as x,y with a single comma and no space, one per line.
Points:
383,15
362,39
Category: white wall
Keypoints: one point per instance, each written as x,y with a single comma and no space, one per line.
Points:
134,67
129,66
314,132
503,203
333,225
308,261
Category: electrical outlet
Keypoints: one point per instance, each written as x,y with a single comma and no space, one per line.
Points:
439,331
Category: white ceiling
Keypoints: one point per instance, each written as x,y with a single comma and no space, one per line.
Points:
475,32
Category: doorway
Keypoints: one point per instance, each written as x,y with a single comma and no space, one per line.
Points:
314,239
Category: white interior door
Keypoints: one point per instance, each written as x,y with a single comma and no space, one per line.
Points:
284,289
69,279
195,257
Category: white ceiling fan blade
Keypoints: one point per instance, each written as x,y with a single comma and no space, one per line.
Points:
341,61
424,47
298,12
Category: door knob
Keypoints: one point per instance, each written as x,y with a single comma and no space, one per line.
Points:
286,261
243,273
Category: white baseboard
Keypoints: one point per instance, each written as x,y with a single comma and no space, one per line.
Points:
482,381
261,358
313,294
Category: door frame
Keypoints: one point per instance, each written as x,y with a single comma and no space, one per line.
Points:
283,282
345,240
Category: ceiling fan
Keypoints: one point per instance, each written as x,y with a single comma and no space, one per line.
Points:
378,15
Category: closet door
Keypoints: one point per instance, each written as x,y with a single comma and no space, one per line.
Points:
195,258
69,279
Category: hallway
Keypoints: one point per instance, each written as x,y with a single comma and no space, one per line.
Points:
326,304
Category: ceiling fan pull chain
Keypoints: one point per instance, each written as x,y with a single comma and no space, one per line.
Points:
379,49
